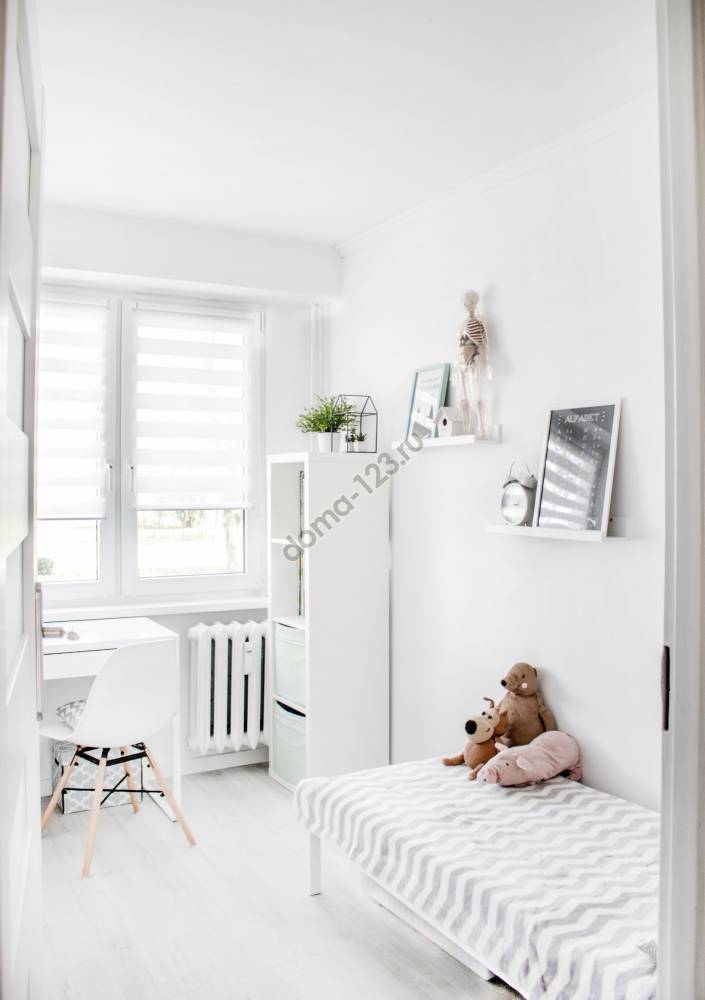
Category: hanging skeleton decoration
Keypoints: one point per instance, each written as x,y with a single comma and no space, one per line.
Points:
472,370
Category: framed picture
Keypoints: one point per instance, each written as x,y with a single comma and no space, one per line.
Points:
427,397
577,468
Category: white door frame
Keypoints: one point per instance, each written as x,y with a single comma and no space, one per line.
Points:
680,37
20,200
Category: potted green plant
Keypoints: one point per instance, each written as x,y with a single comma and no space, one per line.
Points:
327,419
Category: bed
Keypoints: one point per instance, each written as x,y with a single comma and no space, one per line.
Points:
553,887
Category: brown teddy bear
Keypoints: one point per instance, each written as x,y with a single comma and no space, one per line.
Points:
523,714
480,746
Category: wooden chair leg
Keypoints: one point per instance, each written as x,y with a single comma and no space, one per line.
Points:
95,812
130,783
54,800
169,797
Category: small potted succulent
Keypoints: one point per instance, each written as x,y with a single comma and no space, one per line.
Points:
328,420
355,439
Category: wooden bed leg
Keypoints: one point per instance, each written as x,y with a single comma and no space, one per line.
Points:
314,865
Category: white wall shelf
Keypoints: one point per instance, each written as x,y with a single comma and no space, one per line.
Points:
457,441
617,529
449,442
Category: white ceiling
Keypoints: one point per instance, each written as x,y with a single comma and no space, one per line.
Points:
318,118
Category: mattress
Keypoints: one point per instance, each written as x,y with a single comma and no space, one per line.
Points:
553,887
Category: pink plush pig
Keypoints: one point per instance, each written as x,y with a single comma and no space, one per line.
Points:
545,757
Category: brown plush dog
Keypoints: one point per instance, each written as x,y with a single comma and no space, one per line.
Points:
480,746
523,714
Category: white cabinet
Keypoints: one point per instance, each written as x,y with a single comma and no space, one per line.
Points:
328,539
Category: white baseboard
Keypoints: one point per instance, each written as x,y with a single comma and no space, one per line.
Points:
196,765
216,761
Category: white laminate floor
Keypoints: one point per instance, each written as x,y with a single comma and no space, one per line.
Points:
229,919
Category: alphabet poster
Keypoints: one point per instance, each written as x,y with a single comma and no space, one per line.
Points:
577,469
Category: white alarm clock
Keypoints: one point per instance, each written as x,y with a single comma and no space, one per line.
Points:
518,496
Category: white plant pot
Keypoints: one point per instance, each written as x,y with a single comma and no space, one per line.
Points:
328,442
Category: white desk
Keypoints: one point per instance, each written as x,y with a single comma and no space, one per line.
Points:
84,657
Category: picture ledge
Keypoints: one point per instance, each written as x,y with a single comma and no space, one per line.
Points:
457,440
618,528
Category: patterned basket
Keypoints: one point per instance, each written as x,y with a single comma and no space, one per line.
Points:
78,795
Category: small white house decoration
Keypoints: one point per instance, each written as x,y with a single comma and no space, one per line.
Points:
449,421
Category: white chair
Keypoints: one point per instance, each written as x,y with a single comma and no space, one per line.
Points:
134,695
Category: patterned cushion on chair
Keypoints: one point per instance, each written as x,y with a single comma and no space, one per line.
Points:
71,712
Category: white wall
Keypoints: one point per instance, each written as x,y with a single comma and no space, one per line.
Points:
564,247
287,374
160,250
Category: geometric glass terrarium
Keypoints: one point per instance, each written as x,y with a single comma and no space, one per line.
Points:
361,436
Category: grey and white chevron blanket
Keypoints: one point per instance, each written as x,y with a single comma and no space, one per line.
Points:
553,887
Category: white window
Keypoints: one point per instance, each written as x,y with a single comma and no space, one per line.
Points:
187,428
76,431
178,486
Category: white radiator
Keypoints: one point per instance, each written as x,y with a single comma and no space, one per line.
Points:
228,686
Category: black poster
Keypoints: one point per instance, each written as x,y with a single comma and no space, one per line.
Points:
576,464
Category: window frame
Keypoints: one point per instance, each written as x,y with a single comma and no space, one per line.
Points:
217,583
62,592
117,554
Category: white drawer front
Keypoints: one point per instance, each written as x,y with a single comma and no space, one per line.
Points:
289,745
58,666
290,665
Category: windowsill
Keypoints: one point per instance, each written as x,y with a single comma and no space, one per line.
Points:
199,605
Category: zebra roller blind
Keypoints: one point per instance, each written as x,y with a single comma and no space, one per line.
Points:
73,436
189,409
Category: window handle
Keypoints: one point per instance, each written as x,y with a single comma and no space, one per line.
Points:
108,477
131,469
